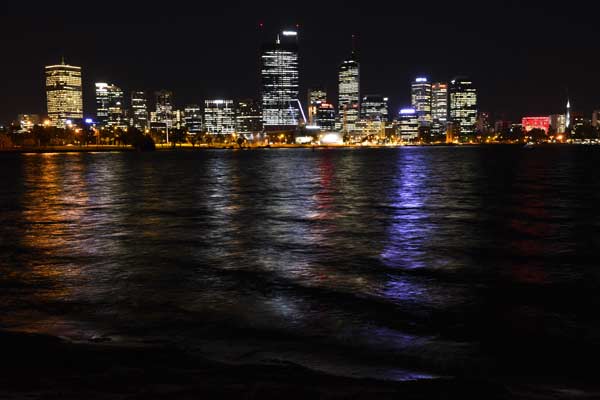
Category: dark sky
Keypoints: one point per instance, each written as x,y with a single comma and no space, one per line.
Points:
521,55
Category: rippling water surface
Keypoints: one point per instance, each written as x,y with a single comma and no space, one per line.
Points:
396,263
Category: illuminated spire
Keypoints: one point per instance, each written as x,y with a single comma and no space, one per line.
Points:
568,116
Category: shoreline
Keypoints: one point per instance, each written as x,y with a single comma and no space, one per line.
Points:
160,148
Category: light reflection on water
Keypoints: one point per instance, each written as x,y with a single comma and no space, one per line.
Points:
394,259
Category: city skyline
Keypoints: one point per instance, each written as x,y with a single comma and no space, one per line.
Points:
513,72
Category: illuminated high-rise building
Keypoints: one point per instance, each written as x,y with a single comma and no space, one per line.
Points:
421,100
248,117
64,93
463,105
219,117
280,82
349,93
325,116
408,124
164,117
139,110
192,119
558,123
439,108
109,106
374,108
316,96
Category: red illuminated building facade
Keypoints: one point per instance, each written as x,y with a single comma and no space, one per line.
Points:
530,123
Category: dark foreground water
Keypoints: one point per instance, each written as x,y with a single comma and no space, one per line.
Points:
392,263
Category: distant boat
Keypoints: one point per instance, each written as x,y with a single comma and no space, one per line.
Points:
529,146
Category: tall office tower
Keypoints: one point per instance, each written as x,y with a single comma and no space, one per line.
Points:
139,110
316,96
280,82
421,100
64,93
463,105
248,117
192,118
325,117
374,108
109,106
439,108
408,124
349,93
164,116
219,117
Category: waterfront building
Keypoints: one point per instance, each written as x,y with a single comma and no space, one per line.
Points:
139,110
109,106
439,108
558,123
596,119
374,108
530,123
28,121
577,120
316,96
325,117
421,100
349,93
280,82
192,119
248,117
463,106
219,117
453,132
408,125
483,125
163,118
64,94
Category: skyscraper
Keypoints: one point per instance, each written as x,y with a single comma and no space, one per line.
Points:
316,96
349,93
280,82
219,117
139,110
408,124
192,118
109,106
421,100
325,117
558,123
374,108
439,108
164,116
63,93
248,117
463,106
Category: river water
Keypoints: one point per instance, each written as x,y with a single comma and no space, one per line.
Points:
392,263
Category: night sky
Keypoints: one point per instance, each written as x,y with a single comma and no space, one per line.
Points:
523,58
